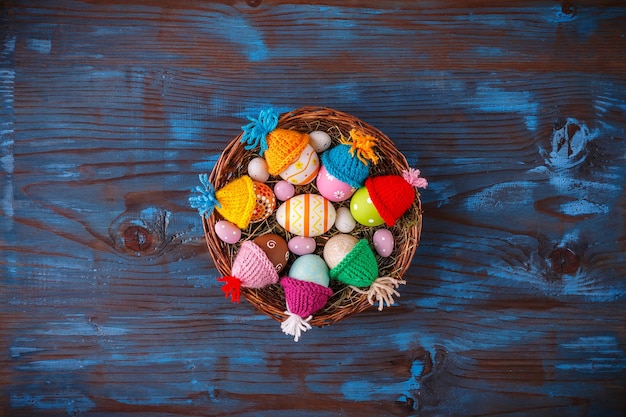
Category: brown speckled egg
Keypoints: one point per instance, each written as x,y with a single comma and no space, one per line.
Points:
275,248
265,202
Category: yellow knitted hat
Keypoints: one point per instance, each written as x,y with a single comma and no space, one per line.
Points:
279,147
236,201
284,146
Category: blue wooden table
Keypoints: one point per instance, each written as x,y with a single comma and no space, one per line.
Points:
515,300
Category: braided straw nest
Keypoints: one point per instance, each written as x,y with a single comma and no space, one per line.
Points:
345,301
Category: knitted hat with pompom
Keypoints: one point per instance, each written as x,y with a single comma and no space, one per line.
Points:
251,269
303,299
280,147
350,160
393,195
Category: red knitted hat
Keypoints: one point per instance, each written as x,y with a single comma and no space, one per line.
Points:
393,195
251,269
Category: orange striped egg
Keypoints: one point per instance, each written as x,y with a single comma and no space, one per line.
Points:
304,169
306,215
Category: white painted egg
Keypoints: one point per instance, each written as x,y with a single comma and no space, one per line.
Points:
227,232
311,268
302,245
383,242
344,222
257,169
337,247
284,190
304,169
306,215
319,140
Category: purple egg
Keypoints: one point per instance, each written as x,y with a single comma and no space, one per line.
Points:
383,242
302,245
227,232
284,190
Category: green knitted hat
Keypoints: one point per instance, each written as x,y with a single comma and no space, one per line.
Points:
358,268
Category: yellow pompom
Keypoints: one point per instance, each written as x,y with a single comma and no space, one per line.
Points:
363,144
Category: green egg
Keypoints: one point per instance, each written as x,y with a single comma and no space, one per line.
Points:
363,209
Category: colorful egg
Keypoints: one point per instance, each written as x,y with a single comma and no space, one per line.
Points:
227,232
257,169
302,245
284,190
311,268
275,248
344,222
306,215
319,140
363,210
304,169
337,247
332,188
265,202
383,242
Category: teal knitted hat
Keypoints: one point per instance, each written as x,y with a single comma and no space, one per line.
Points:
350,160
346,168
358,268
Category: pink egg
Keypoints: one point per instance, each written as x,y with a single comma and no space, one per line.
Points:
332,188
284,190
227,232
302,245
383,242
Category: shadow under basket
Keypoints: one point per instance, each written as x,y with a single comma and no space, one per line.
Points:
345,301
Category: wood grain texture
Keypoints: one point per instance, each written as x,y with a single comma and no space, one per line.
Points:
515,112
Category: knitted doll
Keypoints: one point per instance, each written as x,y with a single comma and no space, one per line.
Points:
386,198
359,270
346,166
235,201
251,269
287,152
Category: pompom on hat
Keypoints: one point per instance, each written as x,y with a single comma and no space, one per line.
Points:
303,299
359,270
393,195
235,201
280,147
350,160
251,269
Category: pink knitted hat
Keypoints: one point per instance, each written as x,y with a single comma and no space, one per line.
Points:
303,298
251,269
393,195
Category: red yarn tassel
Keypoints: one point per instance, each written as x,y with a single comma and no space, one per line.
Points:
232,288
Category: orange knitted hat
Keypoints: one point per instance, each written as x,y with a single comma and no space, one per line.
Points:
279,147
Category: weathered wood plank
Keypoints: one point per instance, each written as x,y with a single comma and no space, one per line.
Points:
515,113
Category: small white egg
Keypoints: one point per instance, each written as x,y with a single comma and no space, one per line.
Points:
344,222
319,140
257,169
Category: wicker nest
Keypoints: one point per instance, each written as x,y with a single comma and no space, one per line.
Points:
345,301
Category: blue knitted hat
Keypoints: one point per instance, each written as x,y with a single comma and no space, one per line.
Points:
346,168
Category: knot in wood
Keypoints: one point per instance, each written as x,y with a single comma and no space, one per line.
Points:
254,3
568,8
564,261
137,239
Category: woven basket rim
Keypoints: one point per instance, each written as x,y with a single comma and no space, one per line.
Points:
345,302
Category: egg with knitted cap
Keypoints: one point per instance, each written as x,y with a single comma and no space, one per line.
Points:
275,247
311,268
251,269
387,196
359,270
287,152
346,166
235,201
337,247
302,299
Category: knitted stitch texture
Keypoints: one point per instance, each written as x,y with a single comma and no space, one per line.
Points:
237,201
341,164
284,147
358,268
392,196
253,267
303,297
